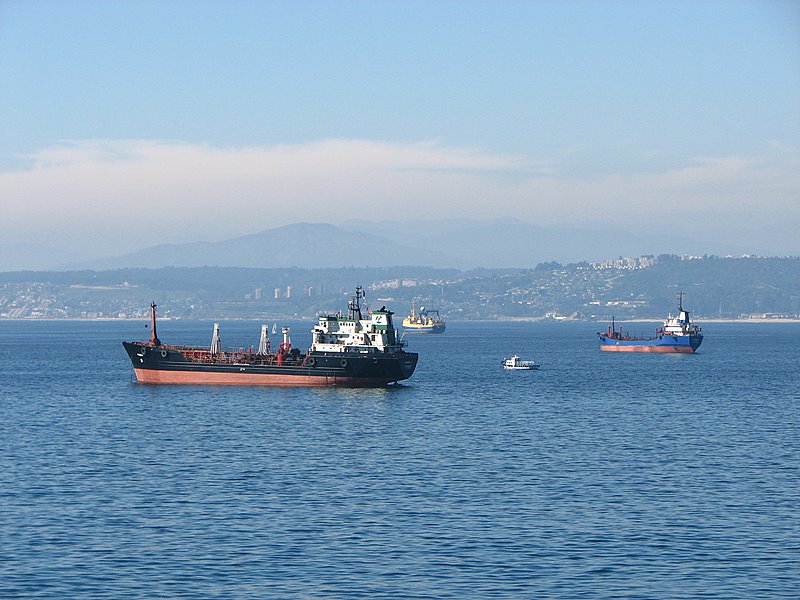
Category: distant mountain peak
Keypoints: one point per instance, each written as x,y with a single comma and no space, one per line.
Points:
453,243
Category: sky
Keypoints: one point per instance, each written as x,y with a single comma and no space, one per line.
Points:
124,124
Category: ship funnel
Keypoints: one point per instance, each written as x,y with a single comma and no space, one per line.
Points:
263,343
216,345
285,332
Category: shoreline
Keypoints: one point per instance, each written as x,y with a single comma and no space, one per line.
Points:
754,320
503,320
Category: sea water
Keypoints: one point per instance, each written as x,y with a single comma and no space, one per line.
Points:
599,475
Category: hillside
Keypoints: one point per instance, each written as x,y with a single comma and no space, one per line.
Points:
629,288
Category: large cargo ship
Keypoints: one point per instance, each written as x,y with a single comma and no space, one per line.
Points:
423,321
354,350
677,334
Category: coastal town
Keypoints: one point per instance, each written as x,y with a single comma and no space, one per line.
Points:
626,287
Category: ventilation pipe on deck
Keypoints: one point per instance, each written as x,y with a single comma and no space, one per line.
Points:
263,343
216,345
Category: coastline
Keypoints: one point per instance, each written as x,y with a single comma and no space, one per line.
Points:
639,320
500,320
699,320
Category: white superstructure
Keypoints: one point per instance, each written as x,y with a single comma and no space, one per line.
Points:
515,362
354,333
679,325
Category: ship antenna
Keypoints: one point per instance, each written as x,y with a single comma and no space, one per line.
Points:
154,341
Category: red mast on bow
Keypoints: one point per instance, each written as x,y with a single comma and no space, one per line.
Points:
154,341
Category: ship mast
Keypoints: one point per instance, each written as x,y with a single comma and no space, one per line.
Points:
354,305
154,341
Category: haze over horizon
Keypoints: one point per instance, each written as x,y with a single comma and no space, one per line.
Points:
129,124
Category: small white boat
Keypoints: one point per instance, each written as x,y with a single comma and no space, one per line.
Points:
518,364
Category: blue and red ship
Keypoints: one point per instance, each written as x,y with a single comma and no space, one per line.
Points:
677,334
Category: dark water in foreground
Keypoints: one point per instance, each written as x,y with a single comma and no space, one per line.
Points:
602,475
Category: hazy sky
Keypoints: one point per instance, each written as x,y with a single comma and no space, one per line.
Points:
124,124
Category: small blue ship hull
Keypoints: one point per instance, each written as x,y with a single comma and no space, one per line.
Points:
662,343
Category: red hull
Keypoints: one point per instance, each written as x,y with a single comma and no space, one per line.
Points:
670,349
197,377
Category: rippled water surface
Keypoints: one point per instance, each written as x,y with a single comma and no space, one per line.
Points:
601,475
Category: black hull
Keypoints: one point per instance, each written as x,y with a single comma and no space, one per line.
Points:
170,365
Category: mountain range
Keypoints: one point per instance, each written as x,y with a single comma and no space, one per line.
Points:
458,243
